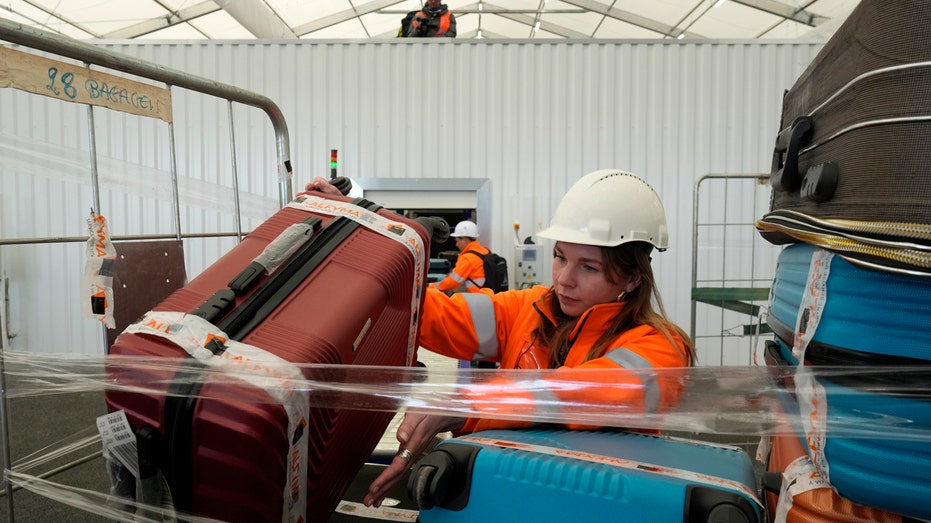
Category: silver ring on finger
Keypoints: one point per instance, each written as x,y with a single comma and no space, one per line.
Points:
406,455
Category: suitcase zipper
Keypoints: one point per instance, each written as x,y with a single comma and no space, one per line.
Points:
849,237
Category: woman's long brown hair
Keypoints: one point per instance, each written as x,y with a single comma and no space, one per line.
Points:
644,307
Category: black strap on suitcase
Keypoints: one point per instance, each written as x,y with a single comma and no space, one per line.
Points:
908,378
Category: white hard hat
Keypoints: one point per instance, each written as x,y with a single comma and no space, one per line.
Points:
465,228
607,208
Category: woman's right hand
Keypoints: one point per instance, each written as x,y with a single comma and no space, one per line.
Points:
320,184
415,434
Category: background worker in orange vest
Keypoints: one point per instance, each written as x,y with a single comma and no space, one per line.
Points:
602,312
433,20
469,273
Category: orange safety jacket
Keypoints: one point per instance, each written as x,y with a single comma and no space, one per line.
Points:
469,271
445,23
498,327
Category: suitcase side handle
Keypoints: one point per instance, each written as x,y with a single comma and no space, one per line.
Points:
274,254
771,482
820,182
216,306
784,174
148,491
254,309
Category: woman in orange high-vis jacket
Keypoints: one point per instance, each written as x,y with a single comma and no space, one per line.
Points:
598,314
469,271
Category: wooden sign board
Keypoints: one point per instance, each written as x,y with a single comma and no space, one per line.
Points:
74,83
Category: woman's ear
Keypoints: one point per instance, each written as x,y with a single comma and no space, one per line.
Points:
633,281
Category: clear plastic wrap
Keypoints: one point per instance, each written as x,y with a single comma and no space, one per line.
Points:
714,400
751,400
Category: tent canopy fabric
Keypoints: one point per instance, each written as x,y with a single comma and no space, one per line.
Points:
379,19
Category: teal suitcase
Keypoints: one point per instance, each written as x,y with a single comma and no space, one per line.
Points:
556,475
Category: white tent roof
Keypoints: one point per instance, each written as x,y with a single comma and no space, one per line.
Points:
364,19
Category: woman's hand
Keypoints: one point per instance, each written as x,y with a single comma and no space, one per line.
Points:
415,433
320,184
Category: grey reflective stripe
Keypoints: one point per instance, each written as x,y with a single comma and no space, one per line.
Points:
631,360
483,321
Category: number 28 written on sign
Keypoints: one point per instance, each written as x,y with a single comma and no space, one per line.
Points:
63,83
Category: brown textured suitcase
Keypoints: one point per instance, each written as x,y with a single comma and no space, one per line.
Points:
852,157
351,295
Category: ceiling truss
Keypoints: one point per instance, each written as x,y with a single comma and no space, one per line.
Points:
553,17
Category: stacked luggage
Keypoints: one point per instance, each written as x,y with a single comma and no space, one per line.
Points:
852,287
325,280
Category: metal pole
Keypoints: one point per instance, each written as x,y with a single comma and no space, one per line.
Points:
95,182
175,192
4,415
235,171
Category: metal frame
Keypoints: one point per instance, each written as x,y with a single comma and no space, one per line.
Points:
92,55
738,295
380,191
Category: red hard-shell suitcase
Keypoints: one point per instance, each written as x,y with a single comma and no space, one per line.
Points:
351,295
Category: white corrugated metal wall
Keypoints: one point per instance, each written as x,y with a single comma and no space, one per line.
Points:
530,116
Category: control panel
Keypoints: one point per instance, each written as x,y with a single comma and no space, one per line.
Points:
528,271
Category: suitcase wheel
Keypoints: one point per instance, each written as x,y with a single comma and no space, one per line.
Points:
443,477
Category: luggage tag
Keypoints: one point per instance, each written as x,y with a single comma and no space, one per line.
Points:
97,285
812,398
118,440
799,477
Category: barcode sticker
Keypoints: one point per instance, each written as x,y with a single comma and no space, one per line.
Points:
119,440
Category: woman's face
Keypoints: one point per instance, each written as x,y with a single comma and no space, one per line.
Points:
580,278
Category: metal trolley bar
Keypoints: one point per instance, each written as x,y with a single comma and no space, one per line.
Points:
75,49
92,55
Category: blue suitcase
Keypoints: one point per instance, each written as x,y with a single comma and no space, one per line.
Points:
867,311
866,319
555,475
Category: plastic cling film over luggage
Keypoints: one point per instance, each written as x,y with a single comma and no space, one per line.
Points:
256,367
714,400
